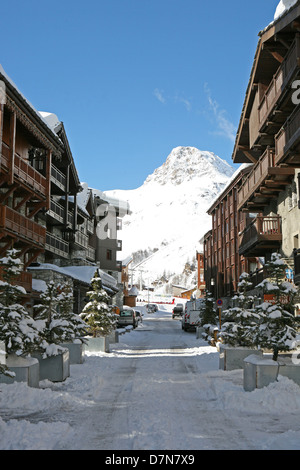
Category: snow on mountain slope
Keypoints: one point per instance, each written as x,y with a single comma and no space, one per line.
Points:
169,209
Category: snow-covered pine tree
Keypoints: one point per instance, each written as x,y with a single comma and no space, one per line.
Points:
208,316
240,322
54,329
97,313
278,325
3,367
77,328
18,329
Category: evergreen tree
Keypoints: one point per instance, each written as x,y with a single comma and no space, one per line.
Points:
53,328
208,316
278,325
75,328
18,330
97,313
240,326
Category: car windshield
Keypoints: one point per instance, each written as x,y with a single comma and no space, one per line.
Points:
126,313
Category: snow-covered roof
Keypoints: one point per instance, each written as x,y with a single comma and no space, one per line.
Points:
83,198
242,167
37,113
283,7
121,206
81,273
127,260
133,291
51,119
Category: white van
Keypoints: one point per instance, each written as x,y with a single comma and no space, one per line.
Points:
191,317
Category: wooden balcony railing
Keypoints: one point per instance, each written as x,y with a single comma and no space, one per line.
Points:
280,82
19,225
288,136
24,171
81,239
90,226
24,279
260,235
57,245
57,211
58,178
255,178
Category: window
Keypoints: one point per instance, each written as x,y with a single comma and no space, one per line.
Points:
108,254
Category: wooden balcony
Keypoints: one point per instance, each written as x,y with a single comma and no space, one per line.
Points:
24,280
288,137
263,182
279,85
21,227
57,245
262,235
24,172
58,178
90,226
81,239
57,214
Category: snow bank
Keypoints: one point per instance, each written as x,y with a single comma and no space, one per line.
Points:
266,418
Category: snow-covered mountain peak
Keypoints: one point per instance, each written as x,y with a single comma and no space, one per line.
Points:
187,163
169,211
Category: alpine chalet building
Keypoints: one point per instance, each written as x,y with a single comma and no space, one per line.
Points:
268,141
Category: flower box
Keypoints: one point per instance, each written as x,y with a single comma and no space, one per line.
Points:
97,344
55,368
113,337
76,351
232,358
259,372
2,353
26,369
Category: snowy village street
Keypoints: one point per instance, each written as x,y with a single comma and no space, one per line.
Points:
159,388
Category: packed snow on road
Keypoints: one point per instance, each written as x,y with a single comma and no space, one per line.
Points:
159,388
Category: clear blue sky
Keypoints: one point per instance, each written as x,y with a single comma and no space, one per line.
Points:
132,79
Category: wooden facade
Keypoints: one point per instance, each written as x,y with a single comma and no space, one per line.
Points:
269,137
24,190
39,193
223,262
266,217
200,273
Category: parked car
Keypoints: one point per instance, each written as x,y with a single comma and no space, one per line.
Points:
127,317
177,310
151,308
138,315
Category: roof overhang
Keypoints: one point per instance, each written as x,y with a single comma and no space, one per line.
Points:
272,45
